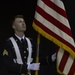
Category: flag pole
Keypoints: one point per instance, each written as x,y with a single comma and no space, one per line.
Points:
37,53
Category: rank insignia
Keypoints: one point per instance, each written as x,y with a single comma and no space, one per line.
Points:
5,52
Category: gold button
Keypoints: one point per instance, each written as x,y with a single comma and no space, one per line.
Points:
24,51
24,57
27,48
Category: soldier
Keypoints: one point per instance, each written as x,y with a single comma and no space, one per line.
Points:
18,52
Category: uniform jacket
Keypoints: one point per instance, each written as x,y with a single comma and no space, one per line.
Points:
9,56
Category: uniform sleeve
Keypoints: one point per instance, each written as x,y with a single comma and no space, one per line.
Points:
8,59
47,49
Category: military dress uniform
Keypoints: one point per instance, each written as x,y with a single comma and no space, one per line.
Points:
10,57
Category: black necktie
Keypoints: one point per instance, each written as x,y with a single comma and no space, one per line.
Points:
22,41
24,44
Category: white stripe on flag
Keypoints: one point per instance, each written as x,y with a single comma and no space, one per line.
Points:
68,65
59,56
53,28
58,3
53,13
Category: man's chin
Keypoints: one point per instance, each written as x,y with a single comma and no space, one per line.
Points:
24,30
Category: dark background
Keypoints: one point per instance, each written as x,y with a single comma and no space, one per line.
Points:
12,8
8,9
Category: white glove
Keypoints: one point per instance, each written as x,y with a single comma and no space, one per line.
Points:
33,66
53,57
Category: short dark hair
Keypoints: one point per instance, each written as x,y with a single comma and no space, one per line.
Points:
17,16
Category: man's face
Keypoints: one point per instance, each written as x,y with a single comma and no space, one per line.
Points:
19,25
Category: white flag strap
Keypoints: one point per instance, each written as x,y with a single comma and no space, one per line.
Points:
29,60
16,48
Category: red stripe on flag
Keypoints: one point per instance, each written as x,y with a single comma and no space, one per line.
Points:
55,7
72,69
54,21
63,27
53,34
63,61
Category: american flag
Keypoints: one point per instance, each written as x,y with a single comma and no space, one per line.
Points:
65,62
51,21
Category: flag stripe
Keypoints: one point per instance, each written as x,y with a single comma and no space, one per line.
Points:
39,24
63,61
72,69
53,13
59,56
55,7
59,4
51,21
68,65
54,21
58,31
49,25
